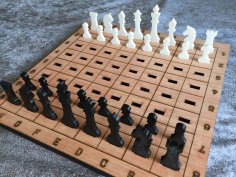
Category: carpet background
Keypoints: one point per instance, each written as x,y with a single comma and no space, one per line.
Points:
31,29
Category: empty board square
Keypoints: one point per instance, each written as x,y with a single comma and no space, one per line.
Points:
57,64
95,91
183,61
106,78
202,65
90,140
138,104
83,58
189,102
152,76
123,56
107,52
199,74
58,104
60,77
166,96
89,74
68,54
78,84
159,169
117,152
47,73
178,69
141,162
164,57
172,81
23,112
124,84
188,118
116,98
73,69
140,60
98,62
92,49
133,71
194,87
115,67
188,136
78,45
158,64
144,89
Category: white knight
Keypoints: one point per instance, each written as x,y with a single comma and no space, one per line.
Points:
190,36
107,22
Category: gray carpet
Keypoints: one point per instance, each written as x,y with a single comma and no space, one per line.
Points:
30,29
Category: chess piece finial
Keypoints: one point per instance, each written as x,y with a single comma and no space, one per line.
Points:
184,53
190,34
137,31
27,81
122,30
130,43
115,40
172,25
155,21
126,118
100,36
165,50
82,98
86,33
147,47
205,55
94,20
107,22
151,123
210,39
44,84
27,97
103,111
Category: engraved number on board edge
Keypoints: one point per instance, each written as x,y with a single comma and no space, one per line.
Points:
103,163
131,174
196,174
1,115
211,108
207,127
201,150
214,91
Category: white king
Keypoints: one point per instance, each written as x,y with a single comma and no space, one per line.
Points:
155,21
137,31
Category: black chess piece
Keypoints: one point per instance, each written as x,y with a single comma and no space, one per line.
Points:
64,97
47,110
82,98
11,96
126,118
114,137
103,111
90,127
142,142
28,98
44,84
151,123
27,81
175,145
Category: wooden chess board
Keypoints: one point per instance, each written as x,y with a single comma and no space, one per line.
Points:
176,90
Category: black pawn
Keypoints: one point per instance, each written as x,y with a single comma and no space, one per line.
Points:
27,81
142,142
114,138
175,145
126,118
90,127
47,110
11,96
103,111
44,84
28,99
82,98
151,123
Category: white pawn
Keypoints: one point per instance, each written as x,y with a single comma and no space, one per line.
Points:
86,34
94,20
130,43
107,22
184,53
137,30
155,20
205,56
100,36
172,25
122,30
147,47
115,40
165,50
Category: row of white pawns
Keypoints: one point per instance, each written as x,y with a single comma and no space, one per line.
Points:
189,33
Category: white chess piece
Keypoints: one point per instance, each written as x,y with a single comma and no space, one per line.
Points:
205,56
107,22
130,43
100,36
184,53
210,39
190,34
115,40
155,21
122,30
137,30
94,20
86,33
147,47
165,50
172,25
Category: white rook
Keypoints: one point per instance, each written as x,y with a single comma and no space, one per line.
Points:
94,20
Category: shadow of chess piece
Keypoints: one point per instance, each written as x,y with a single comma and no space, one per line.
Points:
103,111
175,145
47,110
126,118
114,137
151,123
27,81
82,98
11,96
28,98
90,127
142,142
44,84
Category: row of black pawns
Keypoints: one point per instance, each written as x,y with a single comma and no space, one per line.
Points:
142,134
